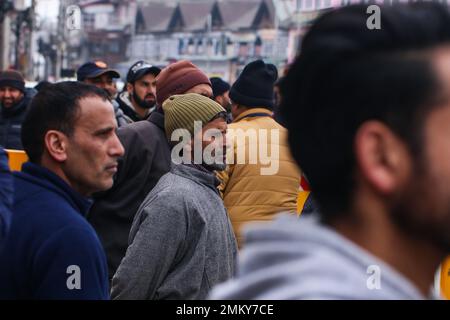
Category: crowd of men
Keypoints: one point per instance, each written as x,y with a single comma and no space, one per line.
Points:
132,194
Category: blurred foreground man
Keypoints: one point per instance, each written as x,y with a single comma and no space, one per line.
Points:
368,115
52,252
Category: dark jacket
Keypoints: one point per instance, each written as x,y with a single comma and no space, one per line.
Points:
51,251
181,242
11,122
6,195
147,158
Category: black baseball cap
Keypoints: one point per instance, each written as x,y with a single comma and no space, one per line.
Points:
140,69
93,69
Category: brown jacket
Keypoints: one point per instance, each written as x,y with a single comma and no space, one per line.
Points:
251,191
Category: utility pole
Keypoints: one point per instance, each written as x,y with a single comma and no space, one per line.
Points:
60,38
208,52
6,6
276,43
297,11
31,41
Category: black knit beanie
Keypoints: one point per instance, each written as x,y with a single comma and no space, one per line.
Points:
13,79
254,87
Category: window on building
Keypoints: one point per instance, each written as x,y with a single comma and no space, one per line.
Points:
181,46
230,48
88,21
190,49
210,47
200,48
114,47
243,49
258,47
97,49
218,47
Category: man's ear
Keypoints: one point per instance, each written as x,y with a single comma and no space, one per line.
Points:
130,87
219,99
56,145
382,159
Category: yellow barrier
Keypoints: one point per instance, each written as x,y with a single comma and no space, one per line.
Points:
301,200
445,279
16,159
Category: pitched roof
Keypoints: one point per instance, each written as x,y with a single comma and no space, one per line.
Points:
155,17
192,15
242,15
195,14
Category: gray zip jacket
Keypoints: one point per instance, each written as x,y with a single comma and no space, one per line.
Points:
181,241
300,258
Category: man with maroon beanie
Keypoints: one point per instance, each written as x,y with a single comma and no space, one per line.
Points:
147,158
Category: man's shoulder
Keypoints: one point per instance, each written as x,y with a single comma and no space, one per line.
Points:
36,201
172,187
169,183
139,128
259,122
143,138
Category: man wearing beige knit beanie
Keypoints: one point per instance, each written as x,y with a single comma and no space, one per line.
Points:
181,241
191,142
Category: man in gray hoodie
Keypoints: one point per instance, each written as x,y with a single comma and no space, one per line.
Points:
367,113
181,242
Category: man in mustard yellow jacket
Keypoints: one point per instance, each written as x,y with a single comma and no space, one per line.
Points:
262,178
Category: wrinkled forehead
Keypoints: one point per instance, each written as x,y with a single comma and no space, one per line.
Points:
148,77
94,112
202,89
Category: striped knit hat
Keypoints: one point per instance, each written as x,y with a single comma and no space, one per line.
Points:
180,112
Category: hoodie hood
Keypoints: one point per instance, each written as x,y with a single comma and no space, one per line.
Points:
294,258
125,98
